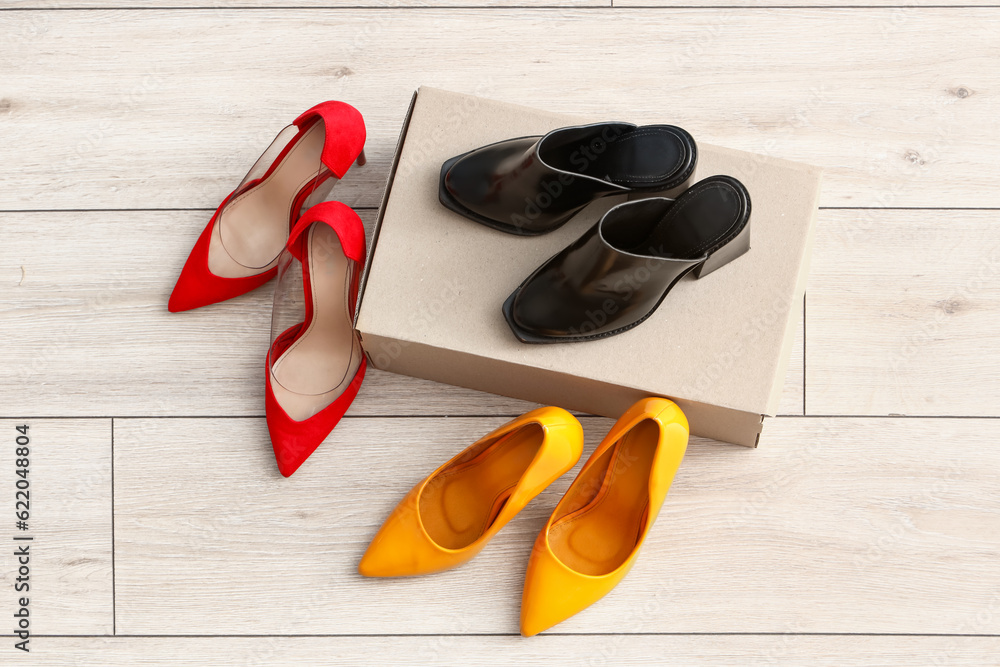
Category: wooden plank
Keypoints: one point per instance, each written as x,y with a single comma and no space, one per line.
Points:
904,314
898,111
831,526
909,6
397,4
219,5
69,496
542,651
901,9
86,331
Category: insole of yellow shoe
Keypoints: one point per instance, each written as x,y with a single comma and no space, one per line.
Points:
458,505
251,231
605,519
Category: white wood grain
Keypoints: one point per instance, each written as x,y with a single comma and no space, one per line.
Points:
831,526
903,314
901,8
86,331
396,4
219,5
835,525
70,507
542,651
900,107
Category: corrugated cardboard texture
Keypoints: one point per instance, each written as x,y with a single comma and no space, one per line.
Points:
437,281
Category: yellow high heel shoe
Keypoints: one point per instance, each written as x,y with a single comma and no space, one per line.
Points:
593,537
449,517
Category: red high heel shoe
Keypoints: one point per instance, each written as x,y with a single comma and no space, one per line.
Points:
315,364
238,251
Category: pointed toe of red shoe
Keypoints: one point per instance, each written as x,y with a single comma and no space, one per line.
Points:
294,441
291,449
178,302
197,286
189,292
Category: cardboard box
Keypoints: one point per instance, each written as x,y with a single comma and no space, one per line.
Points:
719,346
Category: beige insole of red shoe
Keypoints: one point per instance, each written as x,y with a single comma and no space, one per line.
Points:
321,363
603,520
252,230
458,505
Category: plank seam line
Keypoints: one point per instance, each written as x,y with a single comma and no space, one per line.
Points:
485,8
844,6
835,416
114,597
547,634
805,359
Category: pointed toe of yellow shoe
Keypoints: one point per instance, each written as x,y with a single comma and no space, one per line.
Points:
449,517
381,560
594,535
402,548
553,592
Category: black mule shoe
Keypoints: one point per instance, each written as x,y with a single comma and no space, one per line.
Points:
532,185
615,275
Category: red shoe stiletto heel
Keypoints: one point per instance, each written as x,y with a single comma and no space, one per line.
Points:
238,250
315,364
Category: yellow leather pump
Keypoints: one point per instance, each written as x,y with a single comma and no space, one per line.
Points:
449,517
593,537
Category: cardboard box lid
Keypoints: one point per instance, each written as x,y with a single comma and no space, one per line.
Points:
439,279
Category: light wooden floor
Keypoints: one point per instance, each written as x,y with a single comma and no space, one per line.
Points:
865,529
